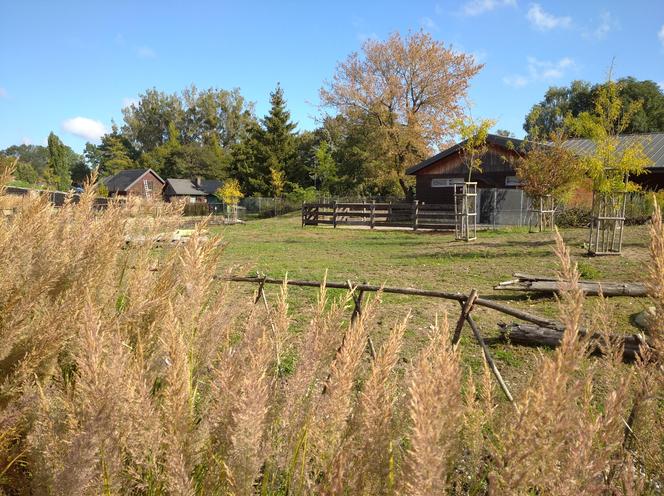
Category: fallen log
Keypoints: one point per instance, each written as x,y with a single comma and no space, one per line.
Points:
534,335
548,284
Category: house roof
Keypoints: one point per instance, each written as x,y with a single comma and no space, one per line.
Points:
653,147
182,187
493,139
125,179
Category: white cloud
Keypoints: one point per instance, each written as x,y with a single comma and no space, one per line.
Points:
3,92
660,35
544,21
26,141
145,52
83,127
477,7
606,24
479,56
516,81
540,70
428,23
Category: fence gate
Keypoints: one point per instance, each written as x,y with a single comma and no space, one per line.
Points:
465,211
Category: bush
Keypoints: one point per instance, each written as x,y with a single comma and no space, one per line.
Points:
573,217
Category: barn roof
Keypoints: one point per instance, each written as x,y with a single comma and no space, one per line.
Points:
125,179
493,139
653,147
183,187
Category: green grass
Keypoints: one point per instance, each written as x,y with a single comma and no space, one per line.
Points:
429,260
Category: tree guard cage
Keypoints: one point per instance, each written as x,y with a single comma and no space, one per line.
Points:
541,214
607,223
465,211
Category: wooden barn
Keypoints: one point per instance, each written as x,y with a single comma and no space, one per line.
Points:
436,176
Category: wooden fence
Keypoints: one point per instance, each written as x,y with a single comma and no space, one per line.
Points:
413,215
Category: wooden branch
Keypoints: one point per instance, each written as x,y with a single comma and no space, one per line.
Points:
547,284
489,359
465,311
460,297
533,335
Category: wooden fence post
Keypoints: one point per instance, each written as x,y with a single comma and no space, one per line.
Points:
334,214
373,214
415,214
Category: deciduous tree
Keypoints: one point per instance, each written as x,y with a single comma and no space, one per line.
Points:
474,134
580,96
408,88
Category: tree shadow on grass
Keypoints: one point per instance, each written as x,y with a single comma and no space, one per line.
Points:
476,255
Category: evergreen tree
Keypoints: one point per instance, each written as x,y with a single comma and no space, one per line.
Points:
58,164
278,137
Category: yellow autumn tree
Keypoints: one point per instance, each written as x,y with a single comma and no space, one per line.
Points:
473,134
231,194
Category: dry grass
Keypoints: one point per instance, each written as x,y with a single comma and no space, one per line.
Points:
119,379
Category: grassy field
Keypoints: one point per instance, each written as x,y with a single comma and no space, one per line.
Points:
431,260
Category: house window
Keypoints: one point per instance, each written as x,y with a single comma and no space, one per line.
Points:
446,182
512,181
192,199
147,187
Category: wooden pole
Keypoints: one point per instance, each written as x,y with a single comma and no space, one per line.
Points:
461,298
489,360
465,311
415,212
372,219
334,214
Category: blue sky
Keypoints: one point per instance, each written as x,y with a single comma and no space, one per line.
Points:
70,66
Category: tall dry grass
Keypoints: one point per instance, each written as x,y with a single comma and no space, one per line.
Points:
116,378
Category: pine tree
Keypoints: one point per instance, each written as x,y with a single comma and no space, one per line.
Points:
58,164
278,136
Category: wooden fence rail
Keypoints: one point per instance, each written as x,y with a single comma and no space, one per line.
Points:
414,215
551,329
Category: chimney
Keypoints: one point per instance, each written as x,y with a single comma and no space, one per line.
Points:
197,181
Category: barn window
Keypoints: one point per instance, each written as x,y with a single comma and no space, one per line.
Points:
445,182
512,181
